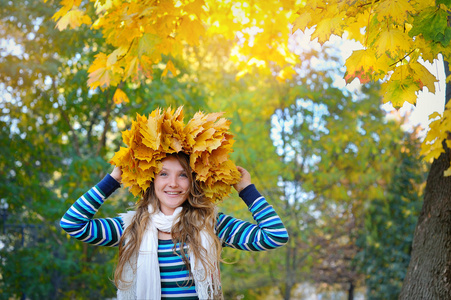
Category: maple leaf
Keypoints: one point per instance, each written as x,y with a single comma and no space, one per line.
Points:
328,26
100,75
113,57
354,26
434,115
132,68
73,18
399,91
120,156
432,23
425,77
169,67
190,30
395,10
393,41
120,96
196,7
302,22
147,44
360,65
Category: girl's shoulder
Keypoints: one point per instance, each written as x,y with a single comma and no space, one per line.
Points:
127,217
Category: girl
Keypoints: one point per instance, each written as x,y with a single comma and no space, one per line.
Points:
170,245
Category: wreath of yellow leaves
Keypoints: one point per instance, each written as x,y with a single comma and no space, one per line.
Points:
205,138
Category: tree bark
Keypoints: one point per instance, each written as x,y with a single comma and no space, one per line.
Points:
429,272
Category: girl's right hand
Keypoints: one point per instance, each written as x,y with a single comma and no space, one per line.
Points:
117,174
245,179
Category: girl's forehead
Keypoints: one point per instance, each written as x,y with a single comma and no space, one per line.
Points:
172,163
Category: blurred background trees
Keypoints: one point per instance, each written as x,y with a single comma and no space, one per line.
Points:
343,175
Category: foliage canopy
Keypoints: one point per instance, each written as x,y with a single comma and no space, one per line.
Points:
394,35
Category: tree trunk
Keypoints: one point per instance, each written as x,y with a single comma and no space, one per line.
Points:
351,291
287,294
429,272
290,276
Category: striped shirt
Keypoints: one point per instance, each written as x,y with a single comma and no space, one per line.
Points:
175,279
268,233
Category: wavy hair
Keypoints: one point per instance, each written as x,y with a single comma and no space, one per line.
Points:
198,214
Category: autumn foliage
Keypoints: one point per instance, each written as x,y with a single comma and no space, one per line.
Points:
205,138
395,36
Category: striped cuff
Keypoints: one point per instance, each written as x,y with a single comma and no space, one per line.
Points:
249,194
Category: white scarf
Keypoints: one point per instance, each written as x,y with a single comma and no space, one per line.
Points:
146,282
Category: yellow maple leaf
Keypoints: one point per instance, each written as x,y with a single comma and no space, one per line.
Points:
195,7
399,91
302,22
115,55
190,30
434,115
354,26
100,75
424,76
154,125
220,155
120,96
395,10
201,143
439,131
432,153
447,172
120,155
73,18
360,65
132,67
169,67
424,47
328,26
394,41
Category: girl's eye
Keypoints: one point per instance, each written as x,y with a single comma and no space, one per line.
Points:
163,174
184,175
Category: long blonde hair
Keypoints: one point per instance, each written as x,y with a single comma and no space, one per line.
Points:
198,214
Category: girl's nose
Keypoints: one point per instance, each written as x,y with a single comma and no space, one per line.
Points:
173,181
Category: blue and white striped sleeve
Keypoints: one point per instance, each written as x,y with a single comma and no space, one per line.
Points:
268,233
78,221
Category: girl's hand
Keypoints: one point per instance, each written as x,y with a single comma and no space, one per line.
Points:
117,174
245,179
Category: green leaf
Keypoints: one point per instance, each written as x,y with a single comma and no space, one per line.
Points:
430,23
446,2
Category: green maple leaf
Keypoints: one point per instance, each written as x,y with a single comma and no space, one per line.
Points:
446,2
445,38
432,23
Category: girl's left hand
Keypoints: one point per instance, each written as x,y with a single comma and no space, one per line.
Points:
117,174
244,181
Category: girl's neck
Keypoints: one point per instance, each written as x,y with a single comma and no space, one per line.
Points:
164,235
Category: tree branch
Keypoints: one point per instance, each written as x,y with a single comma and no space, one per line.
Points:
106,125
75,143
400,60
448,84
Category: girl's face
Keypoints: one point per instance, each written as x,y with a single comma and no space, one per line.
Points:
171,185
